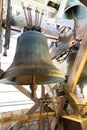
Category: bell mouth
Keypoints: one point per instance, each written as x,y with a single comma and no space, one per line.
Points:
23,74
75,11
27,80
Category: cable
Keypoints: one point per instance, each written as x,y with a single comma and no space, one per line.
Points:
15,101
8,91
51,102
15,104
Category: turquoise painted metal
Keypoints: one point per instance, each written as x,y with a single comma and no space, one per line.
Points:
32,62
75,10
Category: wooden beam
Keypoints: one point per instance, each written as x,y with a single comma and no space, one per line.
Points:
68,41
73,100
16,125
50,92
53,38
74,76
78,65
1,71
58,104
84,2
41,121
1,33
83,111
25,92
0,10
57,51
26,117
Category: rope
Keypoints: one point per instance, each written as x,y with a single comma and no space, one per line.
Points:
48,119
42,13
25,13
36,17
54,108
8,26
40,119
29,17
74,35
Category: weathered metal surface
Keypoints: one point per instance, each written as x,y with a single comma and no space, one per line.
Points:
32,58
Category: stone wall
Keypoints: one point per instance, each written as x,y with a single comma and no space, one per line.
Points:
5,126
28,125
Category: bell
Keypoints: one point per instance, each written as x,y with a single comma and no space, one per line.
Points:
32,63
75,10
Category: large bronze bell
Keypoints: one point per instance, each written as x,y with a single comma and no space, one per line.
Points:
75,10
32,63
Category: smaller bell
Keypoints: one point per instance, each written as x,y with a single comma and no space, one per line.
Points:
75,10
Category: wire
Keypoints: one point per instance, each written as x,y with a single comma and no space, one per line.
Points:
15,104
6,105
8,91
15,101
